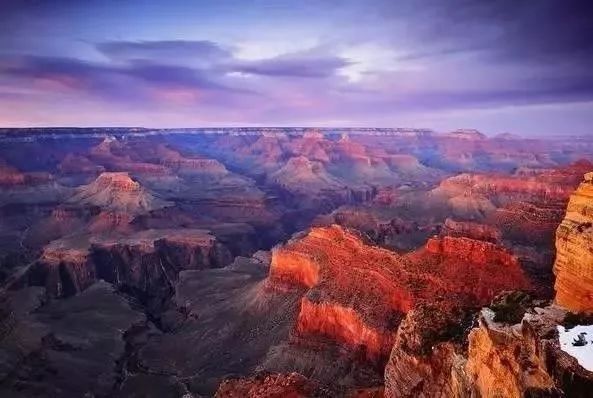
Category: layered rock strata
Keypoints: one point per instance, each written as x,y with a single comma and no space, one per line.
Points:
574,251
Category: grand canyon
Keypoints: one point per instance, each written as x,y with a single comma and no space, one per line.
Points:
294,262
296,199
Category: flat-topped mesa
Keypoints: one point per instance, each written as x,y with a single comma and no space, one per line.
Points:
64,268
574,251
146,261
356,292
117,192
149,260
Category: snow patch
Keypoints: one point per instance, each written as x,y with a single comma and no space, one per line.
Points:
583,354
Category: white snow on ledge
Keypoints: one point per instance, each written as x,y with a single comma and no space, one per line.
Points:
583,354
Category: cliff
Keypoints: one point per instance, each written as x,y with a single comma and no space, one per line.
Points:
574,251
355,292
147,262
512,350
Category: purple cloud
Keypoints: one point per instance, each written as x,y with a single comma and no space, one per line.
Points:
293,65
162,50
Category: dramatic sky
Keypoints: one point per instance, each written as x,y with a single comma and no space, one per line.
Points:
520,66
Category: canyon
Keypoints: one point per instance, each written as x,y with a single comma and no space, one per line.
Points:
298,262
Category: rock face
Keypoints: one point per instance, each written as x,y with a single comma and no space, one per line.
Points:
426,354
574,251
357,293
524,359
512,351
63,269
338,268
507,360
147,261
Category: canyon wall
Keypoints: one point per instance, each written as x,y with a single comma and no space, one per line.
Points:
574,251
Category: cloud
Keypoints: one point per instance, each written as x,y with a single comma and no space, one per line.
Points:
293,65
177,51
134,81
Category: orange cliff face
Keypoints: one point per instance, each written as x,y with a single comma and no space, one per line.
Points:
357,293
574,251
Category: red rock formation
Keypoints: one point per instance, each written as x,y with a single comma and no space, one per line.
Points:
574,251
358,292
302,175
487,269
506,362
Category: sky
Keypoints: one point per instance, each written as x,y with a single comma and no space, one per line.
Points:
518,66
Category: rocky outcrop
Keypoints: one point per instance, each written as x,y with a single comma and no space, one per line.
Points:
513,350
471,250
149,261
574,251
356,293
426,358
507,360
64,269
146,262
302,175
338,267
